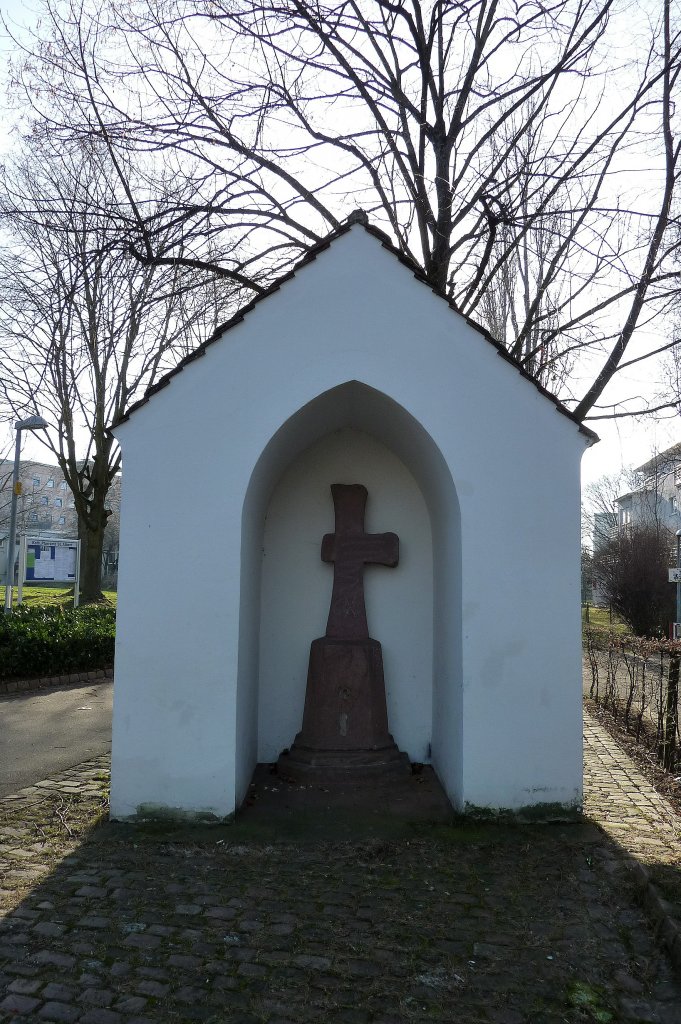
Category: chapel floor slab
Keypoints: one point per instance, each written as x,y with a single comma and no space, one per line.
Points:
106,924
336,806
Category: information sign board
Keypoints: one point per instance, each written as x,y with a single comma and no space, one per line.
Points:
675,575
53,560
48,560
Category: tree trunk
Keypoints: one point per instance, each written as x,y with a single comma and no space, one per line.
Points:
92,543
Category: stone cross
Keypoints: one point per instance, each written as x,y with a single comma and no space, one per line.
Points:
345,718
350,549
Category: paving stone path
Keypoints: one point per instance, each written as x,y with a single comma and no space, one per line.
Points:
624,803
106,924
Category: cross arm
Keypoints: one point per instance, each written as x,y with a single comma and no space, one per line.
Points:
373,548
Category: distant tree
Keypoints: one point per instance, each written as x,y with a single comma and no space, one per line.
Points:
631,569
599,506
86,327
587,576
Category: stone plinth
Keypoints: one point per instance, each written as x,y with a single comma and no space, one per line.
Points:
345,721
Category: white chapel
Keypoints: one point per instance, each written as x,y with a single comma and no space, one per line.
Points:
351,370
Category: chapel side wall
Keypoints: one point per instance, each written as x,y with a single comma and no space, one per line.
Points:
176,647
269,455
521,627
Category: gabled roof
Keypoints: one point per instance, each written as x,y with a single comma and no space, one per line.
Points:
358,217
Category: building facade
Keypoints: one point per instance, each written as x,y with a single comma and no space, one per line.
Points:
45,505
658,498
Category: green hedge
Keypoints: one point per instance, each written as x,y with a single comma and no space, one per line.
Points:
51,641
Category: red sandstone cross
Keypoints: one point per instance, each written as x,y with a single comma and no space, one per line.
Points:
350,549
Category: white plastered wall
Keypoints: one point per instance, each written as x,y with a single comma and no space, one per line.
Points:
497,465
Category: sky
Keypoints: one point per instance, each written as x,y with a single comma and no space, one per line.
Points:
624,442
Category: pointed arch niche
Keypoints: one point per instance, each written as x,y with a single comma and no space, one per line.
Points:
351,434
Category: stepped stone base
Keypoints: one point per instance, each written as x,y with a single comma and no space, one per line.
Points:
343,765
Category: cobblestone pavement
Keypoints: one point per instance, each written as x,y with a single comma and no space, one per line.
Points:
624,803
106,924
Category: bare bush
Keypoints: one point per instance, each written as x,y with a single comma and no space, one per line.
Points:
631,569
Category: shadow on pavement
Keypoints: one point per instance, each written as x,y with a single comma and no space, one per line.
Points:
382,921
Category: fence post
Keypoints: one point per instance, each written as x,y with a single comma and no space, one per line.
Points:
671,714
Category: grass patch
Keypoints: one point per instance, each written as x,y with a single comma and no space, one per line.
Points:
589,999
51,597
601,618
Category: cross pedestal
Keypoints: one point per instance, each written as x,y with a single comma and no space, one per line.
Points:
345,721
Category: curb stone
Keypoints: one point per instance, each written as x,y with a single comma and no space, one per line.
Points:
84,779
12,687
667,929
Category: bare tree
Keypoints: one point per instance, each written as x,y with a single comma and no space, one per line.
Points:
488,138
631,568
587,578
599,507
86,327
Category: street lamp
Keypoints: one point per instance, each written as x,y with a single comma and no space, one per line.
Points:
32,423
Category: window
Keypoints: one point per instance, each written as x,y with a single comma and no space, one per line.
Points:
72,503
36,481
33,518
62,485
50,483
44,500
625,516
58,503
61,520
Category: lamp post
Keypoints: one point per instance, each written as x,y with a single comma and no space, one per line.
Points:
32,423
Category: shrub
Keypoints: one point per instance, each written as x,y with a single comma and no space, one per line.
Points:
631,569
44,641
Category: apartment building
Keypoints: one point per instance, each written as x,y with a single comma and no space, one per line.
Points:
658,498
45,505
